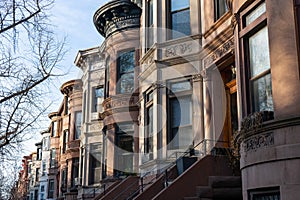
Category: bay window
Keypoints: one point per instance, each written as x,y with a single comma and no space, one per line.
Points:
126,63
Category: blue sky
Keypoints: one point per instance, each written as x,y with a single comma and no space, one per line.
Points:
72,19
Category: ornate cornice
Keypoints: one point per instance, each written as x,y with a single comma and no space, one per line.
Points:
116,16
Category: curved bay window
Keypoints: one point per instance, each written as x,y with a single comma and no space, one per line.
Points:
180,133
126,63
257,75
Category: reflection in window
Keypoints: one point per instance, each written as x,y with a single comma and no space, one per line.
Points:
180,115
150,22
54,129
126,63
148,139
78,116
180,18
220,8
260,71
251,17
98,94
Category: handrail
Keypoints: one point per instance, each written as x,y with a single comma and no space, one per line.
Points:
125,190
165,171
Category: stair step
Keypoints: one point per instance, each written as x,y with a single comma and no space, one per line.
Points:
191,198
225,181
204,191
228,193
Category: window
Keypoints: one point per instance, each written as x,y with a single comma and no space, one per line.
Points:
75,170
150,24
107,77
54,129
66,107
42,188
148,139
53,158
77,125
39,153
64,178
180,18
44,168
220,8
264,194
65,140
46,144
256,49
98,94
95,164
51,189
180,115
126,63
37,174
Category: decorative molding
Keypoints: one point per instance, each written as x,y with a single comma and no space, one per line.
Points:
234,20
179,49
116,16
218,53
197,78
258,141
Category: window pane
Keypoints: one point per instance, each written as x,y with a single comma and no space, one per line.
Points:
259,52
181,86
99,92
150,13
126,62
261,9
78,124
262,94
181,23
220,8
126,72
126,83
179,4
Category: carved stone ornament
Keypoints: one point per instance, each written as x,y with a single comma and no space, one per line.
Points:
218,53
177,50
258,141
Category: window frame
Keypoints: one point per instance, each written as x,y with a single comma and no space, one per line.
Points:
65,140
217,12
51,190
263,191
54,128
148,140
107,77
177,95
169,20
95,104
245,32
77,129
150,24
119,74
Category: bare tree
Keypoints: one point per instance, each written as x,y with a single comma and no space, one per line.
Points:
30,54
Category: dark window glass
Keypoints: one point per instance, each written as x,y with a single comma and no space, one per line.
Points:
95,168
107,76
180,18
220,8
65,140
126,63
51,189
54,129
75,170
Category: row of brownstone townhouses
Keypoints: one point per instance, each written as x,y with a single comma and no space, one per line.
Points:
184,99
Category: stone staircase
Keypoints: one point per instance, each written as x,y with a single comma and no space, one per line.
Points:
219,188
